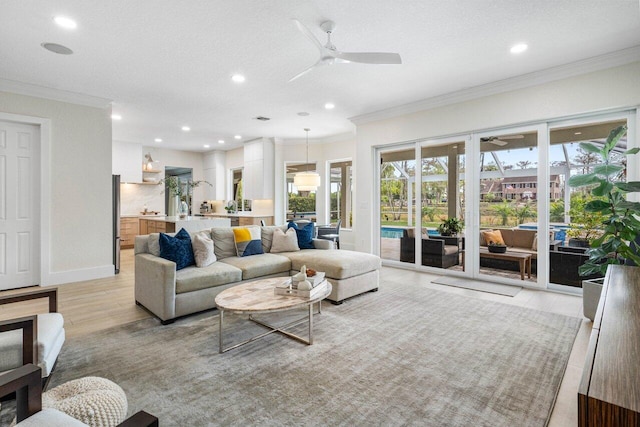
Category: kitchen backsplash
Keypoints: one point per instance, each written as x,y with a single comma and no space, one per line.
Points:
133,197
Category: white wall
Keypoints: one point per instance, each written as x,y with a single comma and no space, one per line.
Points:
80,184
614,88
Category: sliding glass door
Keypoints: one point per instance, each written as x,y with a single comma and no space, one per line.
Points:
509,193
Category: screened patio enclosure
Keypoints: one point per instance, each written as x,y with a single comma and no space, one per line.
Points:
506,181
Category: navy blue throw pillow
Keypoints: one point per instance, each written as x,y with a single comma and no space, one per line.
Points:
305,235
177,249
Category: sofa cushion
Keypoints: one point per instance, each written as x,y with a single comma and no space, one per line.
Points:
339,264
259,265
305,234
267,236
203,250
247,241
153,241
194,278
285,242
177,249
518,238
224,244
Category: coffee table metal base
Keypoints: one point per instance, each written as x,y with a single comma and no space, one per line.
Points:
272,329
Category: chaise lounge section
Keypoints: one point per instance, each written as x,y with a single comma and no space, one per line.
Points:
170,294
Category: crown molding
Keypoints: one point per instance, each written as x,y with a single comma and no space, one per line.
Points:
585,66
28,89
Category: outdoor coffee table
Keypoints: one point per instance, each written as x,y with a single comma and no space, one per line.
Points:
524,260
259,297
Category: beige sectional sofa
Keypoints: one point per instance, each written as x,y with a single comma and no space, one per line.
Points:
169,294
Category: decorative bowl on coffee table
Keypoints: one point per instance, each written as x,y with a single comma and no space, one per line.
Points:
497,249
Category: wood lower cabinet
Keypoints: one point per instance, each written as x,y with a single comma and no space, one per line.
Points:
129,229
609,393
148,226
254,220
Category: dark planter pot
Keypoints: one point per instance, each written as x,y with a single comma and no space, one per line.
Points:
579,243
497,249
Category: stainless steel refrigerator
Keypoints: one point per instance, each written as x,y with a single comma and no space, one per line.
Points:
116,222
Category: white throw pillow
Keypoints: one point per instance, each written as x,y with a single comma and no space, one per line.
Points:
203,250
284,242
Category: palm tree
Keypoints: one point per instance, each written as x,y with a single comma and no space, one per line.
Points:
504,210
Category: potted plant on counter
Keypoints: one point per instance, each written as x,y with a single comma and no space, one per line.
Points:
450,227
621,224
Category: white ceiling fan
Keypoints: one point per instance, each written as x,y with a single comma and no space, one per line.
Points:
500,141
330,55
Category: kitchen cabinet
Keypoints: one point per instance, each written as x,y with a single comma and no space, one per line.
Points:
126,160
258,175
214,173
148,226
129,229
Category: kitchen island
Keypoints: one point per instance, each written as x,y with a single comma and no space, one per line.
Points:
171,224
243,218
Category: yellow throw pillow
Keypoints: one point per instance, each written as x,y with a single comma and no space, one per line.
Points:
494,237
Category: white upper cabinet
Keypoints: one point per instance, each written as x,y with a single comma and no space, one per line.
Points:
214,173
126,161
258,175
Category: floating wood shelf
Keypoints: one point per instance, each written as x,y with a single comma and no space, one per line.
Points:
150,171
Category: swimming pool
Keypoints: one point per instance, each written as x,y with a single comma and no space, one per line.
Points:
396,233
391,232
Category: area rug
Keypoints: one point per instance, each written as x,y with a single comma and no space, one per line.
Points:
478,285
405,355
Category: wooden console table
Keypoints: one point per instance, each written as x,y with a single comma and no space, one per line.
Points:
609,392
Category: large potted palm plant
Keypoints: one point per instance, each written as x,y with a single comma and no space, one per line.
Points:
621,224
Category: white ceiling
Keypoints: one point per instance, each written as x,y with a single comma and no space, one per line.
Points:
168,63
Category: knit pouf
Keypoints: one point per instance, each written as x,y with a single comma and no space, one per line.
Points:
95,401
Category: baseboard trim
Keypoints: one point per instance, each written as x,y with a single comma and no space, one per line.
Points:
71,276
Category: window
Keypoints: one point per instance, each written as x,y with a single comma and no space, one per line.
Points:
300,204
340,193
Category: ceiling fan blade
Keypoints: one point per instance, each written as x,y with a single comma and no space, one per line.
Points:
317,64
498,142
304,30
370,57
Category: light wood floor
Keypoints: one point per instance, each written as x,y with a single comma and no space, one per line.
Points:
100,304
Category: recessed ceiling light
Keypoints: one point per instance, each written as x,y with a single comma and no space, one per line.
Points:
519,48
221,141
186,128
578,133
158,140
329,106
238,78
57,48
238,137
206,145
116,117
303,114
65,22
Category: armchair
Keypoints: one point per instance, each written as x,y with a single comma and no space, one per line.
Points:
26,383
42,334
435,252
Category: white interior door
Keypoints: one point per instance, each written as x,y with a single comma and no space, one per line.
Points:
19,205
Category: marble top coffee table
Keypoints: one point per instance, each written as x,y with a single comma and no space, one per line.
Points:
258,297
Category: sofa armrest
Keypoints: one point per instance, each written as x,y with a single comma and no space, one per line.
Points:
433,246
51,294
155,285
140,419
323,244
29,327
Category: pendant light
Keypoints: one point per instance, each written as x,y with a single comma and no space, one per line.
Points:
307,181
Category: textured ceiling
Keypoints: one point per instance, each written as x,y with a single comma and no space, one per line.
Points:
168,63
